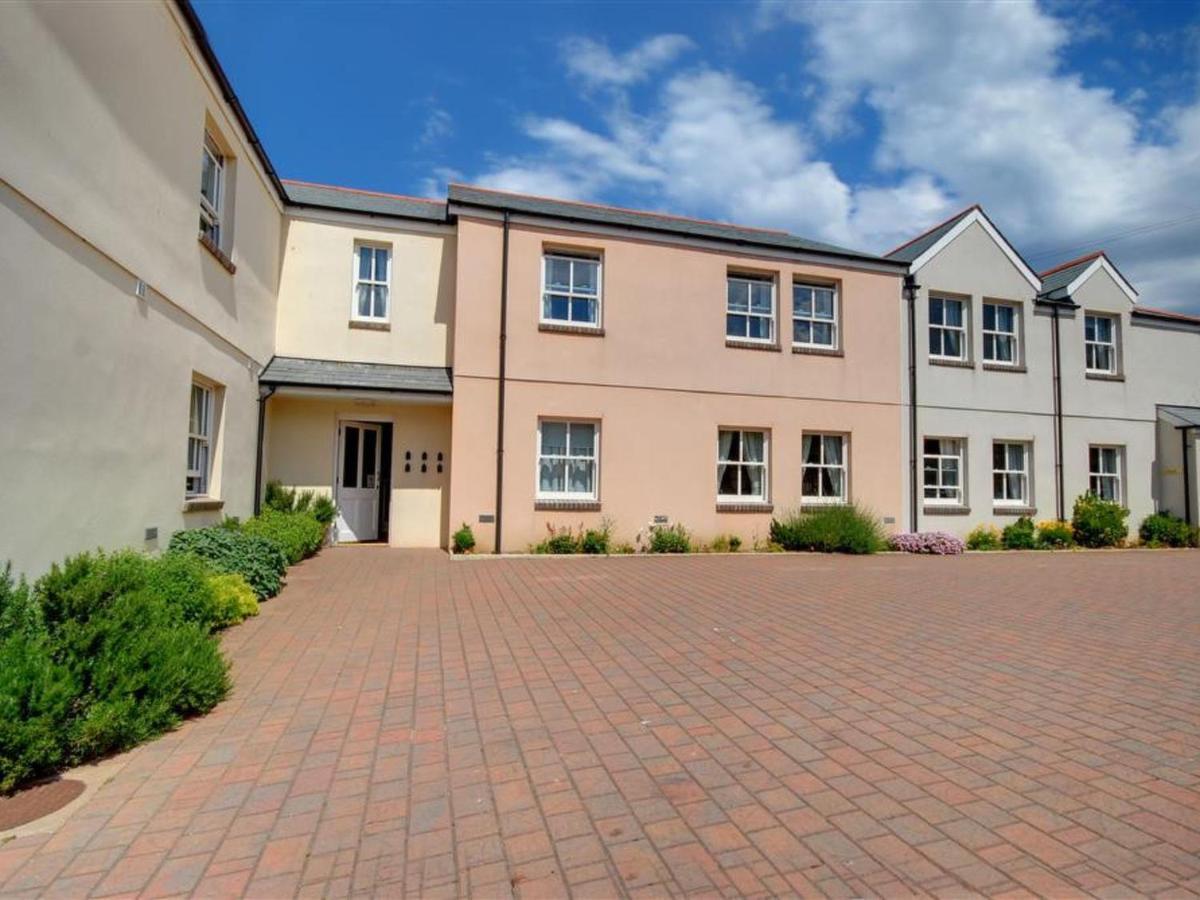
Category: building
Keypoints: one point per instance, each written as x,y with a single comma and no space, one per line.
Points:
182,325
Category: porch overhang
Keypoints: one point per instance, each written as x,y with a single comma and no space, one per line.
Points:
297,376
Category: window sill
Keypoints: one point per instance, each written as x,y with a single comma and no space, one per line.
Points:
752,345
1104,376
951,363
818,505
1014,510
947,510
1001,367
202,504
366,325
758,507
818,351
222,258
563,328
568,505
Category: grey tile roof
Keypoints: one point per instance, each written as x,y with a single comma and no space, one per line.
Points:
922,242
1055,281
301,193
323,373
469,195
1187,416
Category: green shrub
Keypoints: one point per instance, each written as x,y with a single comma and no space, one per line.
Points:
1166,530
984,537
182,580
234,598
596,541
836,529
255,558
37,696
1053,534
669,539
560,541
86,584
323,510
20,613
1098,523
1020,535
297,534
464,539
288,500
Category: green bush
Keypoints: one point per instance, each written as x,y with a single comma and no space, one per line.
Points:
595,541
20,613
1098,523
255,558
836,529
464,539
1166,530
560,541
86,584
1054,534
297,534
288,500
669,539
235,599
1020,535
37,695
323,510
182,580
984,537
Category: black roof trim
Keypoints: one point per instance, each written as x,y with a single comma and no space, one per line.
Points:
296,371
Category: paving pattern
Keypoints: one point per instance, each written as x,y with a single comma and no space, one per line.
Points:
403,723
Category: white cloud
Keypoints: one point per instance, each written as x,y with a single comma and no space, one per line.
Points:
439,124
598,66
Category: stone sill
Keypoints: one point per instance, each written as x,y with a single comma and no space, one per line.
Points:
586,330
946,510
567,505
217,252
952,363
202,504
1104,376
1014,511
745,507
818,351
1000,367
370,326
810,506
751,345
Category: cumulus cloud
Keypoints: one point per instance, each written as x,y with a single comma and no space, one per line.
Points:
598,66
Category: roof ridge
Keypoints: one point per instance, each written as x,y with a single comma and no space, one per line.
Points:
350,190
624,209
1087,257
933,228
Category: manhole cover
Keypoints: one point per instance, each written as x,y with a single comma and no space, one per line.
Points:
37,801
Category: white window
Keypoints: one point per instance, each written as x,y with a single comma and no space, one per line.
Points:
814,316
571,290
212,190
372,280
741,466
947,328
568,453
199,445
943,471
823,470
1104,472
1100,343
1010,473
1000,334
750,308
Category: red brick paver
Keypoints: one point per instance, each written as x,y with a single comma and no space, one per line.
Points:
791,724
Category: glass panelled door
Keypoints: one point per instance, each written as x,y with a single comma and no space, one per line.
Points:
358,481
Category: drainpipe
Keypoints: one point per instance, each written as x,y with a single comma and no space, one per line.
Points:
910,294
500,385
1187,478
1056,361
264,394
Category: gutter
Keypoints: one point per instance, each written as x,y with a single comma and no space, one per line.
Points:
910,294
503,369
264,394
1187,477
1056,361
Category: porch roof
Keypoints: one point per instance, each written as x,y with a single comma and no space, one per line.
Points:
294,371
1182,416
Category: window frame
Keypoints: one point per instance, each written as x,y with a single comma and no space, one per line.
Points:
742,463
1114,322
1118,475
960,457
1014,335
214,213
571,294
205,437
812,319
570,496
844,467
1026,500
356,280
964,329
749,278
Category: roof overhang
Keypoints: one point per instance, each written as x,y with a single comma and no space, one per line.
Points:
1099,263
322,377
977,217
1182,417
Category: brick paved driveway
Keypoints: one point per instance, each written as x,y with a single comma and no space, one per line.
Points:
660,726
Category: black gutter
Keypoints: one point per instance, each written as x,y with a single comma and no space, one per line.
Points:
910,293
433,392
500,383
1056,362
263,396
1187,478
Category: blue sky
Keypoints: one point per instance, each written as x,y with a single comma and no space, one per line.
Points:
1076,125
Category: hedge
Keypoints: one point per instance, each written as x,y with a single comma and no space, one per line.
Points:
260,561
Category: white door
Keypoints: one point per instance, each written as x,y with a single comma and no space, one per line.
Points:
358,482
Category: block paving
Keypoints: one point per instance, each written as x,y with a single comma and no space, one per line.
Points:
1003,725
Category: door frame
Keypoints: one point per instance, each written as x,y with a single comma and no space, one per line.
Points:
350,417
